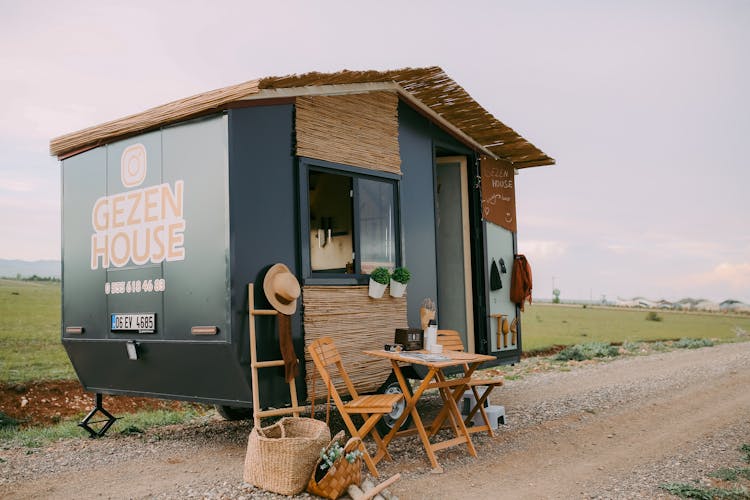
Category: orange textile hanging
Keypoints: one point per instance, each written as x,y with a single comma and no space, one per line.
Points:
520,281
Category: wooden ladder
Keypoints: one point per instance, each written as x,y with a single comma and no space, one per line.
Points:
295,409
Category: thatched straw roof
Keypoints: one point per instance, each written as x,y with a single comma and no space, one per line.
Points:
429,90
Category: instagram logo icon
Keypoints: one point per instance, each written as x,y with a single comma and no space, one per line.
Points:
133,165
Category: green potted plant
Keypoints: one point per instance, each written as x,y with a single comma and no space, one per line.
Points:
378,281
399,279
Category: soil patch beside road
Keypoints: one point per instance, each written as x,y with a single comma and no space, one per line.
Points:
609,430
50,401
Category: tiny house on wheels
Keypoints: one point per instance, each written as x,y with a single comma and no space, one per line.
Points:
169,214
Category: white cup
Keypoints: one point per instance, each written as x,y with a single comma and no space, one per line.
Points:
436,348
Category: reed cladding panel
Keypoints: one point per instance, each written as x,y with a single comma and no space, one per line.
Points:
355,322
358,129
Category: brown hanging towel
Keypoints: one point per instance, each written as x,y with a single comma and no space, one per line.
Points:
291,364
520,281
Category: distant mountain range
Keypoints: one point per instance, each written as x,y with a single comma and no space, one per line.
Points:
27,268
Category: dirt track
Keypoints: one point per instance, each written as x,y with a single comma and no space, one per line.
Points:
614,429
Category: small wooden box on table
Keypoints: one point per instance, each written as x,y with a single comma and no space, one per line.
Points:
450,391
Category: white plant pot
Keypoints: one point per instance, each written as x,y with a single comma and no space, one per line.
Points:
376,289
397,289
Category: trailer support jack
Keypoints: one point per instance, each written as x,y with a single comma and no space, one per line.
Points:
107,421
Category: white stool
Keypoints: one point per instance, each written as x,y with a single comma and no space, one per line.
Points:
494,413
468,401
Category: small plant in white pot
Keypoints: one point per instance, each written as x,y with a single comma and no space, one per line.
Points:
399,279
378,281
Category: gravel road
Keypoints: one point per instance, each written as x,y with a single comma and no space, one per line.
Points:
602,430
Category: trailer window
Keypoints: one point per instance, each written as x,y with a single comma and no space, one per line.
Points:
352,224
377,225
331,235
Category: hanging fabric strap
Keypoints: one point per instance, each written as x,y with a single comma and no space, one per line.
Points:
291,364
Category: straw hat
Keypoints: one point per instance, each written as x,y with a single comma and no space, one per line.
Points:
282,289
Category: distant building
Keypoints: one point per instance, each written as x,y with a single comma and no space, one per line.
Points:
734,306
707,305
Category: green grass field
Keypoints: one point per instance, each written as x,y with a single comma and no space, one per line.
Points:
30,347
545,325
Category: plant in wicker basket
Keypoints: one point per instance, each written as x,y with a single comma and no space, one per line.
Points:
337,468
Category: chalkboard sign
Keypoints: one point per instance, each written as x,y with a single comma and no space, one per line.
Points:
498,193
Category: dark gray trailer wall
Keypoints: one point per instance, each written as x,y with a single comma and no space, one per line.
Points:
172,363
417,138
263,230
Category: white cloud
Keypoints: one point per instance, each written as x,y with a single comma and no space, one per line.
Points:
651,244
619,248
15,186
736,276
543,249
724,280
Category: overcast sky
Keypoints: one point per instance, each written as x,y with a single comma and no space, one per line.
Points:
644,105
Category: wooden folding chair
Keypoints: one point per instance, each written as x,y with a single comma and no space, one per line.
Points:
451,341
371,407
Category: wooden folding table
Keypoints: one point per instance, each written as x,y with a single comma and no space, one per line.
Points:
450,391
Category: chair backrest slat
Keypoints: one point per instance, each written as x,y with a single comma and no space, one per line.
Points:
324,354
326,351
450,340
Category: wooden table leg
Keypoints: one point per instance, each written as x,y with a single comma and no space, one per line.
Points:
461,433
411,408
457,393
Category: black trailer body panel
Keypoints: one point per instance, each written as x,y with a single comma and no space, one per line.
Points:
263,228
417,208
151,237
205,372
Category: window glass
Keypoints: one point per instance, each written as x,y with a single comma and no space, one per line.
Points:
352,224
376,225
331,234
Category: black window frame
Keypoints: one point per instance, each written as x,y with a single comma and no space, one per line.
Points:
309,164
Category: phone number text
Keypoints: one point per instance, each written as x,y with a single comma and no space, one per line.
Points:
135,286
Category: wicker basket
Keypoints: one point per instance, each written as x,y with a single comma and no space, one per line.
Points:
340,475
281,457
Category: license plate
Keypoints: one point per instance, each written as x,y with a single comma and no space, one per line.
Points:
133,322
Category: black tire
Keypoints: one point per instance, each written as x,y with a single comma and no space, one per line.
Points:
234,412
385,424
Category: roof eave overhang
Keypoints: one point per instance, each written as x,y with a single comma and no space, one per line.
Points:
358,88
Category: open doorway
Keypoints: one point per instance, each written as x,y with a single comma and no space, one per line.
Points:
455,303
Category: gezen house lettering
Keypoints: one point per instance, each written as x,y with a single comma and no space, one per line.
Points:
139,226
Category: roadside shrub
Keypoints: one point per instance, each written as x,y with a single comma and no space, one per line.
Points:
731,473
589,350
659,346
631,346
653,316
693,343
685,490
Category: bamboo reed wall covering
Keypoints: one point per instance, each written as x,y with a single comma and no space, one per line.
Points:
355,322
358,129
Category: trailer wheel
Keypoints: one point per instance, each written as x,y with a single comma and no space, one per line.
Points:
234,412
385,424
